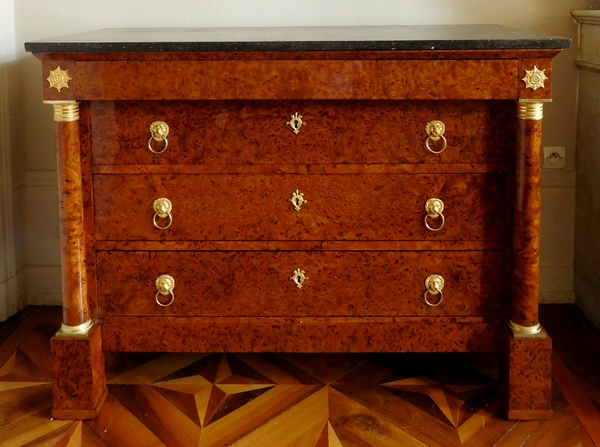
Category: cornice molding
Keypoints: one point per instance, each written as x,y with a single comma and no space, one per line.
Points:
588,66
588,20
588,16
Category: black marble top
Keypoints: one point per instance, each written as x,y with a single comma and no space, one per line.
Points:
352,38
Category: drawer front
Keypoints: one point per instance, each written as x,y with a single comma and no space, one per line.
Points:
338,207
337,284
236,132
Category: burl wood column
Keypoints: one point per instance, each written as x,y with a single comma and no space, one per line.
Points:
526,220
526,348
79,385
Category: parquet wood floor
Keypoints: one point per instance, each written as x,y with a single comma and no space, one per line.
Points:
248,400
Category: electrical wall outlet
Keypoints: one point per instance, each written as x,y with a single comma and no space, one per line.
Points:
554,157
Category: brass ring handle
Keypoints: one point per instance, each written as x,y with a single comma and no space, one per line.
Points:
436,152
162,210
168,303
165,285
297,200
429,227
156,216
434,208
433,286
298,277
158,131
435,131
296,122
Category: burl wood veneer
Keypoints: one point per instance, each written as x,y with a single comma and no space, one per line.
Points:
339,207
79,382
256,283
243,334
525,375
242,132
72,254
393,119
526,231
298,79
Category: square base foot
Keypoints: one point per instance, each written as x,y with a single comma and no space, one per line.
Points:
529,415
526,376
78,379
79,415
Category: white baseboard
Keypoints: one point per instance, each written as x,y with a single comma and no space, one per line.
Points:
557,284
12,295
43,285
557,297
44,299
590,311
588,296
40,179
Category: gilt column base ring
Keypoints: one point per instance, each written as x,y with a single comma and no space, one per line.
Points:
81,330
524,330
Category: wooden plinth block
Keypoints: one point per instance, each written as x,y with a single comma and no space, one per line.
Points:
526,376
79,383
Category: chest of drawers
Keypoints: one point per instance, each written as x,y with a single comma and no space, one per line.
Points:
299,190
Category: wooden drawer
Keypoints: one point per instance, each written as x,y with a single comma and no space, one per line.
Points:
357,207
339,283
255,132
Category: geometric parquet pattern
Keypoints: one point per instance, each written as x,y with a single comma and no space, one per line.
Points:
256,400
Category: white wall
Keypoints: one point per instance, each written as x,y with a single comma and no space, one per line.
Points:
587,215
32,127
10,292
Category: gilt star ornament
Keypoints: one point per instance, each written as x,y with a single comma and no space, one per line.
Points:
59,78
534,78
